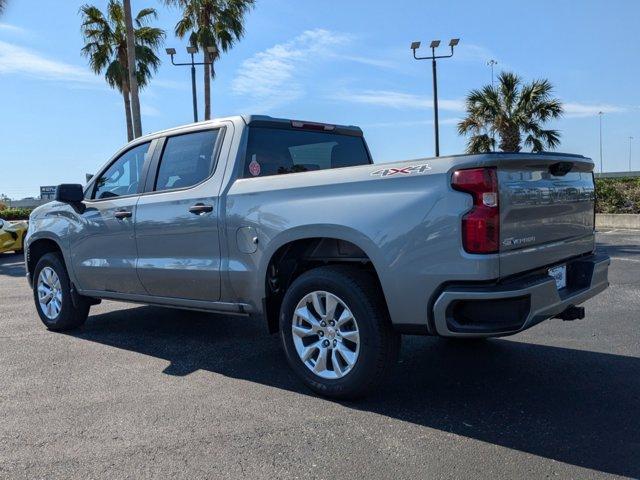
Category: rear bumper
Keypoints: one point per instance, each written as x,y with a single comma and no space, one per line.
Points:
519,303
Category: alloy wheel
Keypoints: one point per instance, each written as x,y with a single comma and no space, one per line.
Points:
325,335
49,293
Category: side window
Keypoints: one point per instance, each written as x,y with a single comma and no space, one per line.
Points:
123,176
186,160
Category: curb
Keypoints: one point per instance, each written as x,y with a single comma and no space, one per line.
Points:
628,221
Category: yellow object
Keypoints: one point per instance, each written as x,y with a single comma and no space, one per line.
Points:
12,235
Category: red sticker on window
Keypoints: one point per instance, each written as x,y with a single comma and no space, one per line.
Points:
254,168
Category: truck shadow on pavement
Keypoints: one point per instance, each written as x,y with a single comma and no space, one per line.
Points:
573,406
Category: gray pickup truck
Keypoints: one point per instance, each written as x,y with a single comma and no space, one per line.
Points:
292,223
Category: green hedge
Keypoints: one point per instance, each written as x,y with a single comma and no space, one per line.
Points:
15,213
618,195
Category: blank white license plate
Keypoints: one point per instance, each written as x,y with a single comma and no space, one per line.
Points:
559,273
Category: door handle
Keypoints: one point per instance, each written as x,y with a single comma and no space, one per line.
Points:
200,208
122,214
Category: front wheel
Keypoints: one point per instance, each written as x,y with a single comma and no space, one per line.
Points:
52,295
336,331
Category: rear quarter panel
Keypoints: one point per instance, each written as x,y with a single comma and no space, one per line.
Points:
408,225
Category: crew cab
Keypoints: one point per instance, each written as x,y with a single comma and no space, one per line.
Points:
291,222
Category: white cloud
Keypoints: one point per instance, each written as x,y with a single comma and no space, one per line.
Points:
374,62
149,110
17,60
470,52
407,101
576,110
275,76
398,100
12,29
269,77
171,84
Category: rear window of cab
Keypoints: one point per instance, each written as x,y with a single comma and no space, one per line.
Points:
276,151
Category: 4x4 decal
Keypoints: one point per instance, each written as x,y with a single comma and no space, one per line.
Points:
410,170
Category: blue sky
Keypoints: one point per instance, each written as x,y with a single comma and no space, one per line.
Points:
336,61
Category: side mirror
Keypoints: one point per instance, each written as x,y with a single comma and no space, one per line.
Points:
69,193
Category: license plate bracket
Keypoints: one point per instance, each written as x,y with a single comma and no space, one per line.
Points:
559,274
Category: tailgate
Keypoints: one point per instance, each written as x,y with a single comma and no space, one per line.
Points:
546,210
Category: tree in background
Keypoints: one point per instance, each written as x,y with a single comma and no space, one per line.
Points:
3,5
131,68
106,48
211,23
511,110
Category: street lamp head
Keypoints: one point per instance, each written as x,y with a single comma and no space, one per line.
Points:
212,50
453,42
434,44
171,51
192,49
415,45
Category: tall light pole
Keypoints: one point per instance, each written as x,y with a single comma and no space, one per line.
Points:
630,138
600,117
435,44
492,63
192,50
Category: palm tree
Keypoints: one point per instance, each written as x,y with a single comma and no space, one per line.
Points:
106,48
131,67
511,110
214,26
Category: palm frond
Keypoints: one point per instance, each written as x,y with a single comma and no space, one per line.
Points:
480,144
144,15
534,143
150,36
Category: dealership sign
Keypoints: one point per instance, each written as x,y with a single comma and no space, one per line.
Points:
48,193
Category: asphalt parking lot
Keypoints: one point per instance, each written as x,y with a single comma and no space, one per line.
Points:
148,392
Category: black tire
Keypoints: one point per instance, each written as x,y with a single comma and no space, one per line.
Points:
379,343
70,316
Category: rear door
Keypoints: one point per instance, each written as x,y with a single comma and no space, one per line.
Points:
177,218
546,210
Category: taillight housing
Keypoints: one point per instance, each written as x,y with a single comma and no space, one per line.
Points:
481,224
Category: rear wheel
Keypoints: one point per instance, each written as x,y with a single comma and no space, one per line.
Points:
336,331
52,295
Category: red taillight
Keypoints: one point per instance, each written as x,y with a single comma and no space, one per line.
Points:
481,225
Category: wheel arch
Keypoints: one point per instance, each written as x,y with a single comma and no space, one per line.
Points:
298,250
37,248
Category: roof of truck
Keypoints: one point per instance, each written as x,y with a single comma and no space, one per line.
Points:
267,121
262,120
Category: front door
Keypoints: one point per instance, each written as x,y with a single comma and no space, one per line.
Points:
177,219
103,247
